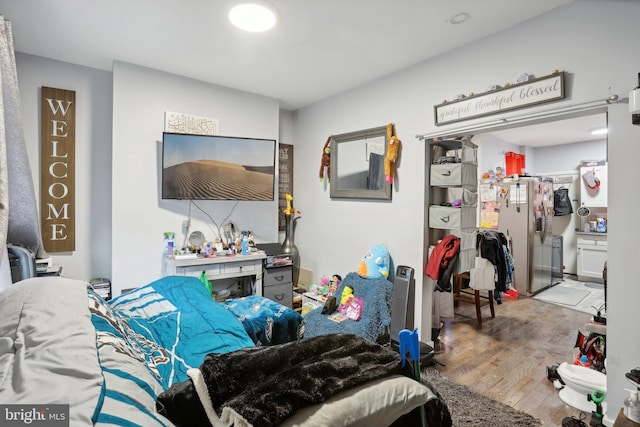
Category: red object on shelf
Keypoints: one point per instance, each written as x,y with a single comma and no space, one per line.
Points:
514,162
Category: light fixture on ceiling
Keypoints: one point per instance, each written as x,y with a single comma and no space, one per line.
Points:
254,17
599,131
459,18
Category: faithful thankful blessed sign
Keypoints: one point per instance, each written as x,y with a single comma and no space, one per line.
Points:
519,95
57,172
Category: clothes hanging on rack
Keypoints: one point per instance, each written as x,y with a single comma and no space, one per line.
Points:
491,245
511,266
442,260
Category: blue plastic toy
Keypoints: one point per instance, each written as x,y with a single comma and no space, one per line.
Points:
409,341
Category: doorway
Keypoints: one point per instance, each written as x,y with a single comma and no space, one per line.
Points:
552,131
555,150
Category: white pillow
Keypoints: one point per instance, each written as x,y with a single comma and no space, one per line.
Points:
378,402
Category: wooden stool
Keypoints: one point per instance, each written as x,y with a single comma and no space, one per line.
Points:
471,296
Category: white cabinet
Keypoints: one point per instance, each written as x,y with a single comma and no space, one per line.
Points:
593,197
592,254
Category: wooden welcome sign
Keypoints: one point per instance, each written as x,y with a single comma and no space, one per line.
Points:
57,170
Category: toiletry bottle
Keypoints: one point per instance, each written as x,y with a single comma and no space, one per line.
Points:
168,251
632,406
245,245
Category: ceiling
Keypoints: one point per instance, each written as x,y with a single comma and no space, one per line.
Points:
317,49
577,129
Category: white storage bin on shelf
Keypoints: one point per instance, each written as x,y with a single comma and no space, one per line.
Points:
454,174
450,218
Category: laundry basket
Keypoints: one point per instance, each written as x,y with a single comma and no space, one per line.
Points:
515,163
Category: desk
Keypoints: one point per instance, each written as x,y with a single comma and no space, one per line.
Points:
222,267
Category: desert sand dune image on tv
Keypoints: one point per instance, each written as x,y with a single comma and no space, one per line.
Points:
213,179
213,167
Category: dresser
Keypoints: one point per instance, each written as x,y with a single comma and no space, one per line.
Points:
278,284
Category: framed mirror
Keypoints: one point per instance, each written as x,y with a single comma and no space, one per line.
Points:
357,165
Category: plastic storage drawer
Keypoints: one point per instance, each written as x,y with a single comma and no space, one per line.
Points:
282,294
278,275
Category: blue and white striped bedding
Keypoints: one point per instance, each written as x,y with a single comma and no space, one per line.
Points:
147,340
60,343
179,315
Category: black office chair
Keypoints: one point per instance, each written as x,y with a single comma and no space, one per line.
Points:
22,262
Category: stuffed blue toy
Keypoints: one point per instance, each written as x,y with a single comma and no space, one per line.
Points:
375,264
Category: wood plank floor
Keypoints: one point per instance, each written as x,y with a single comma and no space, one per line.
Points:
506,358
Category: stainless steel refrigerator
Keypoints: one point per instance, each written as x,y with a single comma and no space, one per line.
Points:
525,218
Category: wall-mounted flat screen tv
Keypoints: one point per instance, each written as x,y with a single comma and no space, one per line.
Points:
206,167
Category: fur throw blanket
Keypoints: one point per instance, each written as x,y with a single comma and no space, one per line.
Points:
262,386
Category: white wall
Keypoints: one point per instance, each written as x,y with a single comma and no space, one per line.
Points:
567,157
598,61
141,97
539,160
92,257
491,152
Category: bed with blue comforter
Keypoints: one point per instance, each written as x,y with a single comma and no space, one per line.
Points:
108,362
200,326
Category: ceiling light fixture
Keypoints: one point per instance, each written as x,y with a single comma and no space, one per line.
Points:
459,18
601,131
253,17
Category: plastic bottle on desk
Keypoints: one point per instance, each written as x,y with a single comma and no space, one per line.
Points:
245,246
632,406
169,245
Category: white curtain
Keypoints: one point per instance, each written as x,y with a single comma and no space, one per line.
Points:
19,223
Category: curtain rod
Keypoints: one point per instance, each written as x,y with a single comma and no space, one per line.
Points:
504,121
